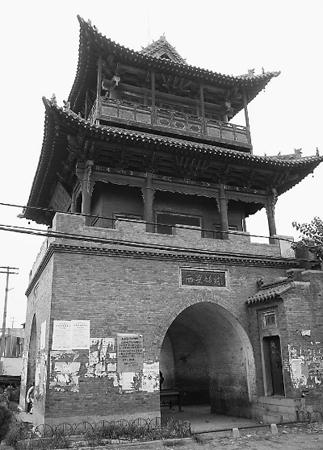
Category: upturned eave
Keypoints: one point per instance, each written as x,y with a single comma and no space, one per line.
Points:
54,154
93,45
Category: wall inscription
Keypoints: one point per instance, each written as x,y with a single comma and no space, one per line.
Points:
130,356
206,278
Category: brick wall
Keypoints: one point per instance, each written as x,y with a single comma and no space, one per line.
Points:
299,327
140,292
131,295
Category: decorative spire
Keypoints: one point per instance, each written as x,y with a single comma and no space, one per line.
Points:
162,49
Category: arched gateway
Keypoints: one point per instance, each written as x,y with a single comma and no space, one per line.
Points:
206,355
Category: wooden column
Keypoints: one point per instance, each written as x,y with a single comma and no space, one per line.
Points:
87,185
202,107
223,206
73,201
153,97
270,210
148,194
86,101
246,115
98,89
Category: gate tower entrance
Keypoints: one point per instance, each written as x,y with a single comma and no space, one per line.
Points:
206,357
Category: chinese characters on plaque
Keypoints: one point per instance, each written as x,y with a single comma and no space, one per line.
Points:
130,356
204,278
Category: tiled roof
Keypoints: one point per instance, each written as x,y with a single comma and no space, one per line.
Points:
92,44
60,122
270,292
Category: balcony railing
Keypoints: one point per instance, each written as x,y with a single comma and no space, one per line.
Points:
172,120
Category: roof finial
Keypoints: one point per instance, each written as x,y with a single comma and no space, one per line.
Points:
53,100
317,151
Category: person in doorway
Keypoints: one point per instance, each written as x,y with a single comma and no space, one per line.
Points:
161,379
30,399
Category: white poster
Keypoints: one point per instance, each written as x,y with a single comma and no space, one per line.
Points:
43,335
80,334
71,335
62,335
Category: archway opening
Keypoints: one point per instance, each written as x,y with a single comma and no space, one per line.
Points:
206,357
32,355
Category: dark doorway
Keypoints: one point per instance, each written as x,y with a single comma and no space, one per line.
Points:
273,366
207,358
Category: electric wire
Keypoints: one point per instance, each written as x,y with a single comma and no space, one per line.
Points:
113,219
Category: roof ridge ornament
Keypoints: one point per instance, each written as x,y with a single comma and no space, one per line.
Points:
53,100
162,49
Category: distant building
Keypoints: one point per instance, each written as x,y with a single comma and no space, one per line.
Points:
11,361
149,273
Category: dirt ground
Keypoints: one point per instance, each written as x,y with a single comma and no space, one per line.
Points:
300,437
292,437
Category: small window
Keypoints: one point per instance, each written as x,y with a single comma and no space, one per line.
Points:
164,56
125,216
166,222
269,319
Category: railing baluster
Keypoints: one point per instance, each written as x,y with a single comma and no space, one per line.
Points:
234,132
238,133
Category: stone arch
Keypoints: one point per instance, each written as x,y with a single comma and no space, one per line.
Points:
207,355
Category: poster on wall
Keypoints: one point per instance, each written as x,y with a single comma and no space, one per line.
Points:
80,330
130,355
71,334
61,335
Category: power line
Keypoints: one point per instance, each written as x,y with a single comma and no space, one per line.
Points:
98,240
113,219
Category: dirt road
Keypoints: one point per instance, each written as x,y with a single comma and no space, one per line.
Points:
300,437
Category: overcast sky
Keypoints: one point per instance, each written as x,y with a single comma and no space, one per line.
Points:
39,51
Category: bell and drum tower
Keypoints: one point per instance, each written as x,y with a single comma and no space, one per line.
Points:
148,289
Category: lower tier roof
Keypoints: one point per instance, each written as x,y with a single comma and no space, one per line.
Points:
69,138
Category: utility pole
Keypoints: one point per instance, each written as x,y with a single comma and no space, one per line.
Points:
7,270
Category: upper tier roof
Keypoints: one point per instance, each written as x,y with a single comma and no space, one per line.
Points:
93,44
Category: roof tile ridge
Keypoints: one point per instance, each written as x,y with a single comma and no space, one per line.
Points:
276,283
313,158
197,69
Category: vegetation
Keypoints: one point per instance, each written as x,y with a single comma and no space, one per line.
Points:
311,237
5,421
92,435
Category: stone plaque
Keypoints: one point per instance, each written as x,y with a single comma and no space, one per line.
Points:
130,355
201,277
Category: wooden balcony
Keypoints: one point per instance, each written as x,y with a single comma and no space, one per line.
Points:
173,121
